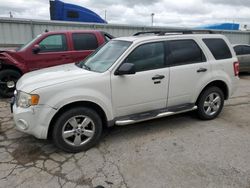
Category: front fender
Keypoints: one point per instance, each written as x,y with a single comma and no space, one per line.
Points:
8,60
65,97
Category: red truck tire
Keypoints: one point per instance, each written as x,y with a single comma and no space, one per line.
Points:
8,79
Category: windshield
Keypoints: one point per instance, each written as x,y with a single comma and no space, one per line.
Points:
102,59
28,43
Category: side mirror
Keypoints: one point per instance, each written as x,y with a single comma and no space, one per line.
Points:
126,68
36,49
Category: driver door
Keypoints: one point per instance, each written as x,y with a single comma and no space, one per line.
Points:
53,51
145,90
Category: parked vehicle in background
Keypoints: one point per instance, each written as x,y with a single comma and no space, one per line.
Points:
128,80
46,50
243,54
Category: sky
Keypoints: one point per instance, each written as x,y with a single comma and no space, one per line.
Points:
180,13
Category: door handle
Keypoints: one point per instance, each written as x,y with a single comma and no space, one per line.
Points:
158,77
65,56
201,70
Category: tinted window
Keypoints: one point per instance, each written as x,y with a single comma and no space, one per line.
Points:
246,50
53,43
84,41
238,50
147,56
184,52
72,14
107,37
219,48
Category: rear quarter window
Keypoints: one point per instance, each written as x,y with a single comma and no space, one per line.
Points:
218,48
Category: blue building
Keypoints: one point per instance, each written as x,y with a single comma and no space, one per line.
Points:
69,12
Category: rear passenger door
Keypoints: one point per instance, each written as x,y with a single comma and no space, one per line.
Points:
188,70
83,45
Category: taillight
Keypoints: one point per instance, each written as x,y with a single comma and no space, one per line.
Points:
236,68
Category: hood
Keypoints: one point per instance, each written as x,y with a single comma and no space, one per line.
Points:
51,76
8,50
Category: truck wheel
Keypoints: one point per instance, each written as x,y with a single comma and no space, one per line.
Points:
210,103
8,79
77,129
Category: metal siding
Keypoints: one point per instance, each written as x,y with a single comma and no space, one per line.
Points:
20,31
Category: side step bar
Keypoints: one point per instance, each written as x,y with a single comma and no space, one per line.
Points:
160,115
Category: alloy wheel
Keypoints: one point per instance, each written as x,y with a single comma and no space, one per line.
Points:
78,130
212,104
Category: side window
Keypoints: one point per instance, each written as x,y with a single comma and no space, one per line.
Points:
147,57
219,48
72,14
53,43
246,50
107,38
184,52
238,50
84,41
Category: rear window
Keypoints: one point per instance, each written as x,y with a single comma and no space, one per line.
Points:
246,50
185,52
84,41
218,48
238,50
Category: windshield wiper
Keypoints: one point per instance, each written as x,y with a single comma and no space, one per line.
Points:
82,65
86,67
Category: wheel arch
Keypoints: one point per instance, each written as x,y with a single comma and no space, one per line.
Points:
12,67
217,83
68,106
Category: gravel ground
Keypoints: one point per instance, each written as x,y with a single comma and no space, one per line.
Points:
177,151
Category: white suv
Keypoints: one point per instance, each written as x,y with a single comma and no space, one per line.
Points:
128,80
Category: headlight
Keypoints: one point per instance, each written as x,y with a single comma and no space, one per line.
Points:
26,100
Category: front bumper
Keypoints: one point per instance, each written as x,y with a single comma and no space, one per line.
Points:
33,120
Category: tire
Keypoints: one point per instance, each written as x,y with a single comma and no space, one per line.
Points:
69,136
210,103
8,79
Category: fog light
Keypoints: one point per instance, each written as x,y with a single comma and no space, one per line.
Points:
22,124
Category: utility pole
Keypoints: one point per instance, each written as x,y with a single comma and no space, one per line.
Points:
11,16
105,15
152,19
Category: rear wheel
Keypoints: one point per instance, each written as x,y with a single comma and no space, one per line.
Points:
8,79
77,129
210,103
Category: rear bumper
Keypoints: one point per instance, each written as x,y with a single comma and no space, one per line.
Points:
234,86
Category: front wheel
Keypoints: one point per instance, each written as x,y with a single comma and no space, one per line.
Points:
210,103
8,79
77,129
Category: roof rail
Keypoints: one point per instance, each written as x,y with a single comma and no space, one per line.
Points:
174,31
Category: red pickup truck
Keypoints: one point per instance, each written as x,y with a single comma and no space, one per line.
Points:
46,50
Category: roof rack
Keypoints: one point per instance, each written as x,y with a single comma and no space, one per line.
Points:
160,33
